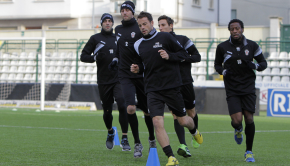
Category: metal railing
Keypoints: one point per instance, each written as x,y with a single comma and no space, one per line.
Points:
205,44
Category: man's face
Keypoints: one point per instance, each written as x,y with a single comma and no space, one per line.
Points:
236,30
163,26
126,14
107,25
145,25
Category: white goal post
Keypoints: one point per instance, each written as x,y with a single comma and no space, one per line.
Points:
43,47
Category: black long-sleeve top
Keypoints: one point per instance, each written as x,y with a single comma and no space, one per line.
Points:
233,57
160,74
104,45
127,34
194,56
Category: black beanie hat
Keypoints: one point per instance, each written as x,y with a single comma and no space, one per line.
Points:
106,16
128,5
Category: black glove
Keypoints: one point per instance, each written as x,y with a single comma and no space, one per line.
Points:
228,73
113,66
251,64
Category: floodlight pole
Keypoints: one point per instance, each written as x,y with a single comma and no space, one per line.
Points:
93,14
42,92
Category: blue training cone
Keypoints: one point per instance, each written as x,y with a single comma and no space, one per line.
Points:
116,138
153,159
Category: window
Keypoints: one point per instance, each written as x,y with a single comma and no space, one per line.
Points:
233,14
6,1
8,28
56,27
196,2
27,28
145,6
211,4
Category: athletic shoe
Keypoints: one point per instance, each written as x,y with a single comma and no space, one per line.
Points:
110,140
239,136
138,150
198,137
249,156
183,151
152,144
125,145
172,161
194,143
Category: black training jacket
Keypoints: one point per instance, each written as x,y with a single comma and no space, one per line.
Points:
242,79
160,74
127,34
194,56
104,45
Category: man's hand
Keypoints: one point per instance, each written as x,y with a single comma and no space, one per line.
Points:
134,68
163,54
113,66
227,73
251,64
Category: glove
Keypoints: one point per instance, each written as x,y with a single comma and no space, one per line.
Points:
227,73
113,66
252,64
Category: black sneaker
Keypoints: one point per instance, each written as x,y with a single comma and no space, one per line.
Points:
152,144
125,145
138,150
110,140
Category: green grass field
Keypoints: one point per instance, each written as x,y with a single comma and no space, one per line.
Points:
78,138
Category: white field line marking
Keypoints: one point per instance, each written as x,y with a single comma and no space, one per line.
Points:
209,132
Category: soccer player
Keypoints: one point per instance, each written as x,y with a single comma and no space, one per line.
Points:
234,60
132,84
165,24
103,47
159,57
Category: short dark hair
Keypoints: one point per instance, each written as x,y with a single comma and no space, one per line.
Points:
168,19
145,14
238,21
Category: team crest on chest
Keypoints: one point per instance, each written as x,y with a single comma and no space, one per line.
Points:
133,34
111,51
157,44
247,52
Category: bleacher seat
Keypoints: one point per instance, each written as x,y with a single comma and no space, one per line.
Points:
267,79
64,77
267,71
14,62
51,69
94,77
201,71
194,64
274,64
30,69
5,69
31,55
89,69
3,77
275,71
49,78
21,69
285,79
201,78
211,64
67,63
5,56
259,78
284,72
57,78
201,64
283,56
59,63
11,77
27,78
194,77
22,63
81,69
86,79
211,55
13,69
273,56
95,69
59,69
72,78
73,69
23,55
19,77
202,55
66,69
276,79
30,63
6,63
211,70
283,64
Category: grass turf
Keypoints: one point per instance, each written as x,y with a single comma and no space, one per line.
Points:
78,138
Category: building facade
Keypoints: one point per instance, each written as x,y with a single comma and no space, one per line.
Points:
85,14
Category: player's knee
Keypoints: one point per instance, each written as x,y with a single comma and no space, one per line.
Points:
131,109
182,121
191,112
157,122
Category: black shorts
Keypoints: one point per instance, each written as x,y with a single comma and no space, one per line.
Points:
109,92
187,92
172,97
134,87
239,103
